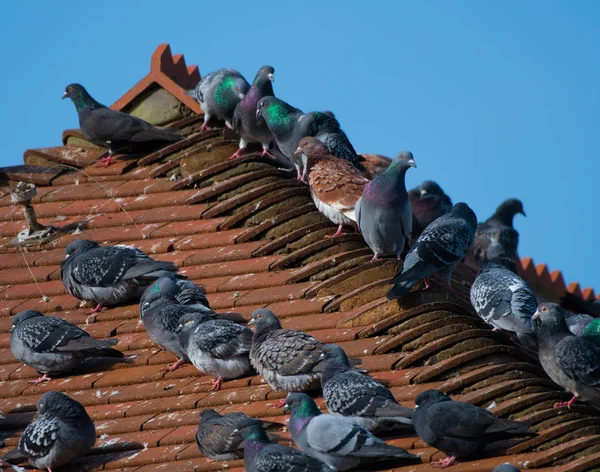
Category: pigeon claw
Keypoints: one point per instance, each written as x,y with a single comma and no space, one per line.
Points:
204,127
216,384
235,155
99,308
267,153
175,365
43,378
567,404
443,463
279,404
427,286
105,161
337,233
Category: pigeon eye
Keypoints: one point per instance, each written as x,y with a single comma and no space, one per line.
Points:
544,309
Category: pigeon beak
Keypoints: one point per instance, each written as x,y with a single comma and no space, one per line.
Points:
523,212
65,95
12,328
423,192
285,408
235,431
536,315
271,77
251,322
412,163
321,357
257,112
297,152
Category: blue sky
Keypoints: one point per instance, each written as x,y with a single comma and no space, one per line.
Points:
495,99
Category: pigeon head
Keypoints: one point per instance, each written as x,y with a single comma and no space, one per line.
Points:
80,246
430,397
501,262
80,97
333,351
313,149
463,210
428,189
229,92
24,315
264,320
403,160
507,211
63,407
265,74
325,121
300,405
551,318
249,428
275,112
208,414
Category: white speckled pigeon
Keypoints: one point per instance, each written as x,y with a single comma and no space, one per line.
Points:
288,125
219,93
250,127
54,346
504,300
115,130
161,309
109,275
429,202
497,237
571,362
383,212
460,429
62,432
216,347
337,441
350,393
262,455
216,438
439,249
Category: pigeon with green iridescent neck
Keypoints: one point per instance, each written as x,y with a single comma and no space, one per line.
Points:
383,212
338,441
218,93
115,130
288,125
585,327
253,129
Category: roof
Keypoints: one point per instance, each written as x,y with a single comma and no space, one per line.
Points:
250,234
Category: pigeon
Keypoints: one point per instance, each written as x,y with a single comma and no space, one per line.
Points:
578,323
438,249
288,125
571,362
54,346
245,122
575,304
337,441
504,300
429,202
262,455
350,393
115,130
286,358
160,311
109,275
506,467
335,185
383,212
460,429
217,347
219,93
330,133
497,237
215,437
62,432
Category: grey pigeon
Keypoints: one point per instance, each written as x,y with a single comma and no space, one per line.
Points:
62,432
288,125
439,249
429,202
253,129
216,347
350,393
109,275
578,323
337,441
219,93
383,212
115,130
506,468
286,358
460,429
496,237
504,300
570,361
262,455
161,310
54,346
216,438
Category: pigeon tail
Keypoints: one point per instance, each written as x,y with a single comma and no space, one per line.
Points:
15,456
400,289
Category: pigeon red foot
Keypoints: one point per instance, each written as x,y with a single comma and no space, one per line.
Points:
216,384
175,365
43,378
567,404
105,161
443,463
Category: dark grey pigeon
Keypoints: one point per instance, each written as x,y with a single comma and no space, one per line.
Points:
286,358
253,129
570,361
161,309
506,468
383,212
578,323
429,202
504,300
441,246
217,347
109,275
497,237
219,93
572,302
350,393
337,441
288,125
54,346
262,455
216,438
115,130
62,432
460,429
